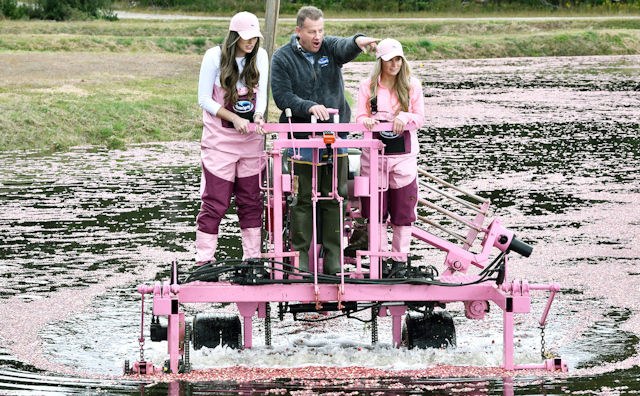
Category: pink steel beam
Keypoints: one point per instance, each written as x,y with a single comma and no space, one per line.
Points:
277,211
396,312
464,257
507,339
478,220
554,287
324,127
198,292
246,311
173,334
549,365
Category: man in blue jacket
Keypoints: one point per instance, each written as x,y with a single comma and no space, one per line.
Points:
306,77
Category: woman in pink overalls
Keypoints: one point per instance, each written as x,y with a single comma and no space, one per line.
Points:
232,93
392,95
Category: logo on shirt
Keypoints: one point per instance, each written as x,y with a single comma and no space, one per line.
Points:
243,106
388,134
323,61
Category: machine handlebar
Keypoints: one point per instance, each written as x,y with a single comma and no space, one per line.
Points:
520,247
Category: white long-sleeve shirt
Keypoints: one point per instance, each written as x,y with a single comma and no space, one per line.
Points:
211,99
210,75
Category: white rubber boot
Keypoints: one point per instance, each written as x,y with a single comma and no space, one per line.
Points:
384,237
206,245
251,243
401,241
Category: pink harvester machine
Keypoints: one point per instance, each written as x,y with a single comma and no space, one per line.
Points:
419,296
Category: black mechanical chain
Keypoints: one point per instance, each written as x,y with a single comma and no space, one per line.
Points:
187,342
267,326
543,349
374,324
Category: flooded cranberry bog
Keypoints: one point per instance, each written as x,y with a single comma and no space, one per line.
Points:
553,142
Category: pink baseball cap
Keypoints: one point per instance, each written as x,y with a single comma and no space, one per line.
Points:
389,49
246,24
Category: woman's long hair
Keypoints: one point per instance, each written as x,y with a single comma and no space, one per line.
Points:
402,87
229,74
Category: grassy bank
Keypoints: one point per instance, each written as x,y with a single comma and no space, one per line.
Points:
394,8
57,100
423,41
112,83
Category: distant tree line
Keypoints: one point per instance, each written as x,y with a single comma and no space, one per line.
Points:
292,6
91,9
59,10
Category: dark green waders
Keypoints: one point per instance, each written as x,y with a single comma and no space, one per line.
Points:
302,215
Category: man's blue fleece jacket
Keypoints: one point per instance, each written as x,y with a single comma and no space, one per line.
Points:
298,85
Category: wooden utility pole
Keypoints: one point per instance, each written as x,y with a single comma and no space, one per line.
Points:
271,25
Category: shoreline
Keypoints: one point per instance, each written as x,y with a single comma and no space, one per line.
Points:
110,84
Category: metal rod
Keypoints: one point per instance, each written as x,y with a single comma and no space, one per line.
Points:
450,214
470,195
438,226
468,204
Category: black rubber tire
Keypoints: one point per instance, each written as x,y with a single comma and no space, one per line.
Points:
126,369
433,330
212,329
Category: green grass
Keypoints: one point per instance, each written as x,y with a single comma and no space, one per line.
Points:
385,9
428,40
99,118
80,99
115,83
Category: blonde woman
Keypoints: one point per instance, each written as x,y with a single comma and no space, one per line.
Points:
232,92
392,95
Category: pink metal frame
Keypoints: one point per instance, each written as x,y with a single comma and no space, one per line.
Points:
512,297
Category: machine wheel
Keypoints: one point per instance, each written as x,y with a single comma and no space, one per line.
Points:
431,330
127,369
213,329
